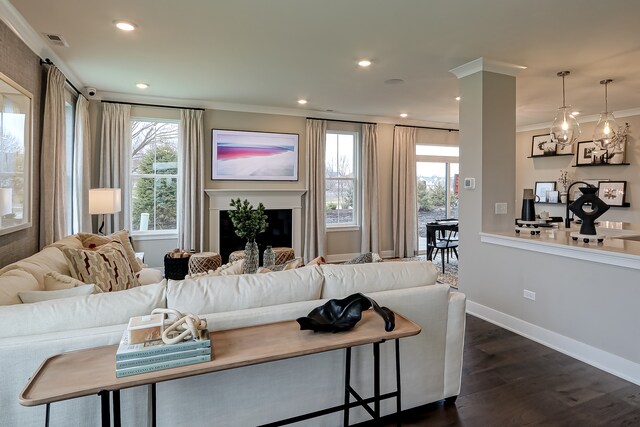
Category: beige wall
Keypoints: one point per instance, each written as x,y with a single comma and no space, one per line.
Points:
548,169
21,65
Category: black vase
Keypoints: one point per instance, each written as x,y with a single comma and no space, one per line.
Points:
598,208
528,206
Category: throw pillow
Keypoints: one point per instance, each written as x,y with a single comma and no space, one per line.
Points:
289,265
366,258
228,269
37,296
93,241
54,281
107,267
317,261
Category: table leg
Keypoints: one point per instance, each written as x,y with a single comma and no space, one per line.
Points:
376,380
104,408
398,385
153,405
116,409
46,415
347,384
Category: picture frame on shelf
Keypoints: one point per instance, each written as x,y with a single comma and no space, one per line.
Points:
612,192
542,146
584,152
564,149
553,197
542,190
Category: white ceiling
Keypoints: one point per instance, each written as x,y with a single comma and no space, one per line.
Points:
260,55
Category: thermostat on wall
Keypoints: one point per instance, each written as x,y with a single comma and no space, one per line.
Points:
470,183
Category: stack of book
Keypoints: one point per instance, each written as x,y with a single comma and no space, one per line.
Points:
150,356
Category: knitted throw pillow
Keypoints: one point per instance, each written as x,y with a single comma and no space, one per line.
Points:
106,266
365,258
54,281
93,241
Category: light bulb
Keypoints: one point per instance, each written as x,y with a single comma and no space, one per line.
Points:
604,133
607,130
565,129
565,125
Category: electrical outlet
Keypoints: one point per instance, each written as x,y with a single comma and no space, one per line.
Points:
501,208
530,295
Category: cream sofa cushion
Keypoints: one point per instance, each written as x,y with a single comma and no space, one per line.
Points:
75,313
343,280
14,281
215,294
147,276
54,281
39,296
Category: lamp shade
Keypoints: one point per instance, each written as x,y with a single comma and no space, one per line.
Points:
104,201
6,206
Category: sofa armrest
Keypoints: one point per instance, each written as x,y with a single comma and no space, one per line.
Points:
455,343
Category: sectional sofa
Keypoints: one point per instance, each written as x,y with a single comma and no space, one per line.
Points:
431,361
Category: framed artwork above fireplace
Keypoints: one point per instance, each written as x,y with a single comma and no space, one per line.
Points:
253,156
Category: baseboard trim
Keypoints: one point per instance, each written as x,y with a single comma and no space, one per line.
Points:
593,356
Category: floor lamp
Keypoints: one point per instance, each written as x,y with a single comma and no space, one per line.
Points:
104,201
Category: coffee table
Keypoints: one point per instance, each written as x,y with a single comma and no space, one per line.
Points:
92,371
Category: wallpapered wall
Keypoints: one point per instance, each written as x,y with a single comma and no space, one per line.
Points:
21,65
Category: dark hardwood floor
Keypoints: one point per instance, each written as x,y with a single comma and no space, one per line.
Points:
508,380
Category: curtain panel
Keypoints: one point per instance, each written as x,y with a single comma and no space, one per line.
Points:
315,227
115,159
53,162
191,194
370,205
82,167
404,191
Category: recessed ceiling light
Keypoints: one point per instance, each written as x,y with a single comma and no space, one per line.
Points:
364,63
575,113
142,85
125,25
458,98
302,101
403,115
394,81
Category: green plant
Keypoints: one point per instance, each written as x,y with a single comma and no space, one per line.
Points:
331,206
247,221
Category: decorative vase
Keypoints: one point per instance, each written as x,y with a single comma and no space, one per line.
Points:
269,257
563,197
251,257
528,205
588,217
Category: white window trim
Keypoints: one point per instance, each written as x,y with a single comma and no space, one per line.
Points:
156,234
357,181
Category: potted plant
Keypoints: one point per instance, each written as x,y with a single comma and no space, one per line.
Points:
248,223
564,181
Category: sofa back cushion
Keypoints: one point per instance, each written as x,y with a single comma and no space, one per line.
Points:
343,280
13,282
81,312
216,294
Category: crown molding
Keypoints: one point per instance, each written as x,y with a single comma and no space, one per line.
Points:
263,109
483,64
34,40
582,119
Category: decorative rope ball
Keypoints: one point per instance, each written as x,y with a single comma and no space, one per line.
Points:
203,262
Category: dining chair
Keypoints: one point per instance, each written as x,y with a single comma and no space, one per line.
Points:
445,245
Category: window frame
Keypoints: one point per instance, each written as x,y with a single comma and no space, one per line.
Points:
357,183
71,213
155,234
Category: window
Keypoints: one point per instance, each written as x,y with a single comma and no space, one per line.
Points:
71,219
154,176
341,179
437,171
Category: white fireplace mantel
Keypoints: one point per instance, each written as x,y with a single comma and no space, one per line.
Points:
271,199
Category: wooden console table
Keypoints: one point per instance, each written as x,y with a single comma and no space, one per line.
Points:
92,371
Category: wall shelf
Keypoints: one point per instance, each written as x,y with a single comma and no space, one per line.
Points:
625,205
600,164
550,155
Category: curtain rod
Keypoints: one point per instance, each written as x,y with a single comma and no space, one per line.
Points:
343,121
428,127
152,105
47,61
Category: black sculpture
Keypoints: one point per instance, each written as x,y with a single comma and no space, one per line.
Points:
341,315
588,217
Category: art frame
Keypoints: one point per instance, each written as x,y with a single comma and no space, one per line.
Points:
16,156
553,196
541,146
612,192
253,156
542,190
584,152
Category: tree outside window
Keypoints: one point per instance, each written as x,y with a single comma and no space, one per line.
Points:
341,178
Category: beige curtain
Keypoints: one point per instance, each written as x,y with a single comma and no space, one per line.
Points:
191,195
314,231
53,161
115,156
404,191
370,211
82,167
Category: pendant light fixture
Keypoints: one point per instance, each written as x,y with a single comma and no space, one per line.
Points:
604,134
565,129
